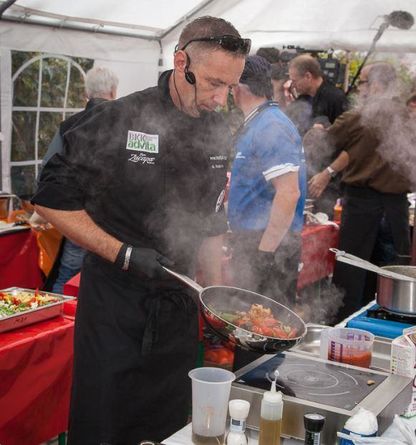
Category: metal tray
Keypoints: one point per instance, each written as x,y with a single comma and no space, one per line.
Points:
33,315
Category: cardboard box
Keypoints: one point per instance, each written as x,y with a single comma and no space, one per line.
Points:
403,362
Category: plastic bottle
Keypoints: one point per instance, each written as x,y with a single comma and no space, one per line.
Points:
238,414
337,211
313,426
271,417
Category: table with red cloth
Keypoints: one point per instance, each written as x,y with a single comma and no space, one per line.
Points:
19,260
35,381
317,261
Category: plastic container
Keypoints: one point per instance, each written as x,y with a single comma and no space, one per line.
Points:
210,393
351,346
238,414
271,417
362,424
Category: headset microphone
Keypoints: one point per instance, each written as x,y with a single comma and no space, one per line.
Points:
189,75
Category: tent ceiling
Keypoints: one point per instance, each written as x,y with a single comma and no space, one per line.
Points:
348,24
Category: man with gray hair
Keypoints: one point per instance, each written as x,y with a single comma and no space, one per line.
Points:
373,187
100,85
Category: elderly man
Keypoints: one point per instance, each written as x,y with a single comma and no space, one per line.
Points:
374,187
100,85
142,186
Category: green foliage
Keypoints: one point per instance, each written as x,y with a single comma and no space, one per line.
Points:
52,72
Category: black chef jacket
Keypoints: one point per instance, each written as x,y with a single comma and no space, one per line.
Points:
153,177
145,172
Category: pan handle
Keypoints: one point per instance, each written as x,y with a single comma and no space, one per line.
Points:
185,279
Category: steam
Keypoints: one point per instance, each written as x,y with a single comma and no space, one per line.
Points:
321,307
396,129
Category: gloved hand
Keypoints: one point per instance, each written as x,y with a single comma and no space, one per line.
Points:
263,264
143,261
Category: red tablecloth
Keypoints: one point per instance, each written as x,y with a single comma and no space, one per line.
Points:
19,259
35,380
318,262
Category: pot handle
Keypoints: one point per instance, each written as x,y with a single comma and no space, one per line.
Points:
185,279
356,261
344,257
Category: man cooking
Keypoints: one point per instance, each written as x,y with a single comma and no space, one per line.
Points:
141,187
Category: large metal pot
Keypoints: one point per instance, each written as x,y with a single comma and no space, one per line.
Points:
215,300
397,295
396,285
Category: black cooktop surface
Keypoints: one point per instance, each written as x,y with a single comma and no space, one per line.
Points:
314,381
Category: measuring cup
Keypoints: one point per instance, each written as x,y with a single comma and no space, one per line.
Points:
351,346
210,393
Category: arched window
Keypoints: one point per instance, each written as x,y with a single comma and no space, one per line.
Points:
46,90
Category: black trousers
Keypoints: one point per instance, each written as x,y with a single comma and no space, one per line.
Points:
280,284
363,210
134,345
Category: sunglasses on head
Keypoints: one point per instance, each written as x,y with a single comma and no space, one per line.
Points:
227,42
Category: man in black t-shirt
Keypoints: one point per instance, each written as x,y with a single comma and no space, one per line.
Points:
327,102
141,186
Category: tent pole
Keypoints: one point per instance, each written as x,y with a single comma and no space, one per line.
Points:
6,5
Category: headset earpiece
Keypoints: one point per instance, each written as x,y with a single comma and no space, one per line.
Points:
189,75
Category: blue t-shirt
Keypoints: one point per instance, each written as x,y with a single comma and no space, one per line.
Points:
269,146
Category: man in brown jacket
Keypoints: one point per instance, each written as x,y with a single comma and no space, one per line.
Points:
373,186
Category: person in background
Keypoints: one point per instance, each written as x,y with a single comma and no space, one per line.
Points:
141,186
327,102
411,103
100,85
374,189
267,193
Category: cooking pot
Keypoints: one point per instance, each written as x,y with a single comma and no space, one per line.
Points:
396,285
217,300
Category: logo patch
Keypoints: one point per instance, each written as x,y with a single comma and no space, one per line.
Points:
139,141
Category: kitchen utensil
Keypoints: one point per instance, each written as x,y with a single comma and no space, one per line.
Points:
349,345
215,300
398,295
210,393
396,285
385,271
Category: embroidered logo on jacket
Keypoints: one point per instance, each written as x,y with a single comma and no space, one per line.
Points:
139,141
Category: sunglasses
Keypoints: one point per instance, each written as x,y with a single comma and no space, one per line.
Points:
227,42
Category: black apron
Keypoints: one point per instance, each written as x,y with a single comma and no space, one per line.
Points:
134,345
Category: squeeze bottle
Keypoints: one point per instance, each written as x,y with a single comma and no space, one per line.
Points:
271,417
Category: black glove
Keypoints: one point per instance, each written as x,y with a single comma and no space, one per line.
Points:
142,261
263,264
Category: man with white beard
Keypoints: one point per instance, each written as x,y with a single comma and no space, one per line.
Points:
373,187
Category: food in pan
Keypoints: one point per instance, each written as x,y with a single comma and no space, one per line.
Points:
14,302
260,320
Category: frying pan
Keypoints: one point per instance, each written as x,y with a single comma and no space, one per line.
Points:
215,300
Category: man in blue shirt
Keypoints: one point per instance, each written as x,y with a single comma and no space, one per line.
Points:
268,190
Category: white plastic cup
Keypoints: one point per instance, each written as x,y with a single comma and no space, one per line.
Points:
210,393
351,346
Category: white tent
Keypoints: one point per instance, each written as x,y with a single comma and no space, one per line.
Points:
135,38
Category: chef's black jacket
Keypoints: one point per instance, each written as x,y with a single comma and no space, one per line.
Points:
151,176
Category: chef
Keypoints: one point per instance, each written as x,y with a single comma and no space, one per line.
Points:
142,186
